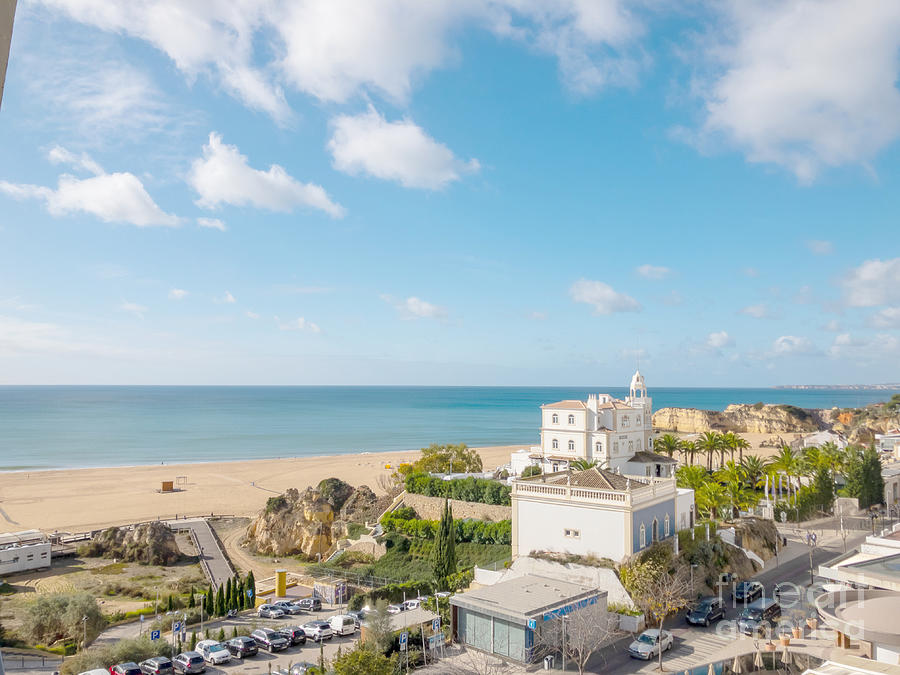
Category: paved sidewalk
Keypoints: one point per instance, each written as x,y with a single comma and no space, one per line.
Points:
213,560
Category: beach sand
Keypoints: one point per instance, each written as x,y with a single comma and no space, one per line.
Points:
79,500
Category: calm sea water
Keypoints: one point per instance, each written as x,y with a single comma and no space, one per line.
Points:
62,427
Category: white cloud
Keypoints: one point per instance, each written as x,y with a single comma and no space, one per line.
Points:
339,49
889,317
212,224
820,246
133,308
415,308
602,297
19,336
719,340
792,344
299,324
833,326
876,348
199,37
653,272
251,315
228,298
875,282
804,85
177,294
674,298
399,151
113,197
760,311
537,316
223,176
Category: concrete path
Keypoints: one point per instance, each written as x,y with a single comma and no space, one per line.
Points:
212,558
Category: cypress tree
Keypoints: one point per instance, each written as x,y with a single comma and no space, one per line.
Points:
170,604
241,594
443,556
228,594
872,480
191,601
210,601
220,602
193,640
251,586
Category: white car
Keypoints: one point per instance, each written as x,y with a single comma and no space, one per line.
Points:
411,604
394,609
269,612
342,624
213,652
648,644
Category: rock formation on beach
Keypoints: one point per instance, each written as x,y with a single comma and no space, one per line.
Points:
858,425
149,543
309,523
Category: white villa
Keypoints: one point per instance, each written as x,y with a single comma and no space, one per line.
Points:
614,433
23,551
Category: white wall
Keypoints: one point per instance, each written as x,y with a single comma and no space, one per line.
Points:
540,526
886,653
684,503
22,558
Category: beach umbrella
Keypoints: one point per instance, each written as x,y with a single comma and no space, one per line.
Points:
786,658
758,660
711,670
736,666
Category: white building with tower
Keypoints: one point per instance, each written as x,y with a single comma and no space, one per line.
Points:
614,433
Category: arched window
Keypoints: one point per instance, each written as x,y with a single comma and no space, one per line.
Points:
555,418
555,444
655,532
571,445
571,419
599,448
667,525
643,536
630,446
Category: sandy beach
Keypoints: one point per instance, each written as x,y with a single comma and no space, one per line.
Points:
86,499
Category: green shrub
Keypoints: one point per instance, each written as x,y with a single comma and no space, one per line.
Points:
478,531
482,490
274,504
356,530
533,470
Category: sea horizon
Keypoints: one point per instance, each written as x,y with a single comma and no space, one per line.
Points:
47,427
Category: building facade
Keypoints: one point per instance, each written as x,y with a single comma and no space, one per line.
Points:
593,513
23,551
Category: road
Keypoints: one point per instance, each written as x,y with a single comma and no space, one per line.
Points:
696,645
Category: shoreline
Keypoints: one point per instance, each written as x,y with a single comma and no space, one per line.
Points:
83,499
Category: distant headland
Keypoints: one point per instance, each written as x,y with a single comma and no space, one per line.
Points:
849,387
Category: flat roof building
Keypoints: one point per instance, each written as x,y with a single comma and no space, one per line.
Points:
511,618
23,551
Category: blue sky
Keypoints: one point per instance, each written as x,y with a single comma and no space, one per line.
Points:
488,192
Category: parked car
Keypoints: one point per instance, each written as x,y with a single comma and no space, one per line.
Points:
95,671
269,612
288,607
242,646
318,631
302,668
342,624
213,652
395,609
410,604
748,591
157,665
309,604
268,639
706,611
295,635
189,663
127,668
760,616
358,615
648,644
442,594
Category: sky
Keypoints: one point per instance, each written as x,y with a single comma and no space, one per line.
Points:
500,192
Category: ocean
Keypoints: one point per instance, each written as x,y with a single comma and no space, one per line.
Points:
45,427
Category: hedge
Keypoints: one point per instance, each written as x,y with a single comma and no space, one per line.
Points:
470,489
477,531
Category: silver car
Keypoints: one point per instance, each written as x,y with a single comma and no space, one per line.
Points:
189,663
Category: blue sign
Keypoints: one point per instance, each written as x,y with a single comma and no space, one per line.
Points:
154,635
176,626
249,592
436,624
532,624
568,609
404,636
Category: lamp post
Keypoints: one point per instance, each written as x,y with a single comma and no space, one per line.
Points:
202,603
84,632
811,540
693,565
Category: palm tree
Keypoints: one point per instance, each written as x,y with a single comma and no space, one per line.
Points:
739,443
691,476
786,461
710,498
583,464
709,443
687,449
668,443
754,471
733,476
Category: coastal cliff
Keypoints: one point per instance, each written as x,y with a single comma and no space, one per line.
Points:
740,418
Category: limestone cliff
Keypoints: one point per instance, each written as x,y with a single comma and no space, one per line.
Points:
739,418
294,523
148,543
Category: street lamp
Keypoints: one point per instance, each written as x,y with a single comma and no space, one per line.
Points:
202,603
693,565
84,632
811,541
